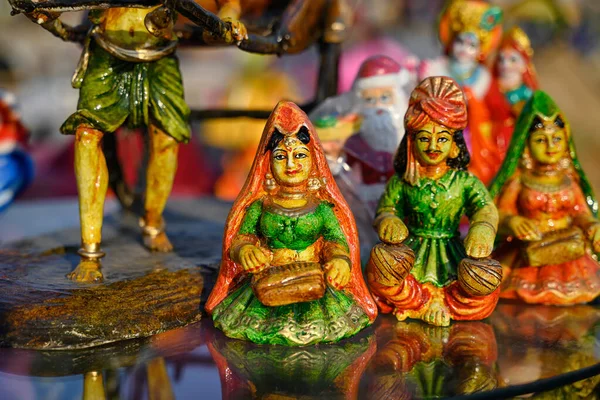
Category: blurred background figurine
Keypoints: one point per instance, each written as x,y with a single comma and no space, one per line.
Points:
290,272
514,69
257,87
16,166
360,131
381,89
548,223
470,31
423,269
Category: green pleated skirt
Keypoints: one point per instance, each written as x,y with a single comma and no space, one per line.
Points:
333,317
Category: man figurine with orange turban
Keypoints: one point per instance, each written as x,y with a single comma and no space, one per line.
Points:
423,269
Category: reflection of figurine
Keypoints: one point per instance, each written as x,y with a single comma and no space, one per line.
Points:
290,272
422,207
514,69
248,370
547,212
381,89
258,87
470,31
541,342
16,166
419,361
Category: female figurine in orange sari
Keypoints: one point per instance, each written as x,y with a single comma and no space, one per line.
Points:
547,212
514,69
470,31
290,272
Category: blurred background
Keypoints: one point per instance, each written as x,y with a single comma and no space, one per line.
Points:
37,68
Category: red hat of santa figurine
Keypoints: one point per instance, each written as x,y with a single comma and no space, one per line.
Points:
379,71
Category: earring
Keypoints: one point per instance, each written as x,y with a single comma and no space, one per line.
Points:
455,152
315,184
526,161
270,184
564,163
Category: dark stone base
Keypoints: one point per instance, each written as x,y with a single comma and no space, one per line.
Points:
143,293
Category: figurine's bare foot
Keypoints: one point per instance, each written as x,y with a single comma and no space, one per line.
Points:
437,313
159,242
402,315
88,271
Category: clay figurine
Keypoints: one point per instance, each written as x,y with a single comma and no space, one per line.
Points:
423,269
470,31
381,87
16,165
290,271
514,69
548,226
128,74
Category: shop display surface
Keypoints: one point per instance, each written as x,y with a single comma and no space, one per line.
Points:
519,349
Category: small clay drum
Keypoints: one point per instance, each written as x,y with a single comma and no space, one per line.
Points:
288,284
391,263
479,277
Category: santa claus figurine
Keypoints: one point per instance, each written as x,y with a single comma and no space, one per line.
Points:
16,166
382,88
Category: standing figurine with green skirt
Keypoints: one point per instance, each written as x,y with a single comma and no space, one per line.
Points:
128,74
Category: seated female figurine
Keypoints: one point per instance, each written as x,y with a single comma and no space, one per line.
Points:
548,227
290,272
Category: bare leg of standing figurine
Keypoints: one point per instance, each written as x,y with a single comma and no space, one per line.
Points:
92,182
162,165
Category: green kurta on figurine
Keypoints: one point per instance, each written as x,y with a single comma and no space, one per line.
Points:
432,211
334,316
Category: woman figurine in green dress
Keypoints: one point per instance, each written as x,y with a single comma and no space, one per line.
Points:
290,272
420,211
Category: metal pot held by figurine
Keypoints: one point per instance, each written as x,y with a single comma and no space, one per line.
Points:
291,283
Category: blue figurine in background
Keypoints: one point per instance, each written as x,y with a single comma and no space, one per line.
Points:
16,166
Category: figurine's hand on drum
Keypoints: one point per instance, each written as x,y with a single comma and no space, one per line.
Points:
337,272
391,230
524,228
593,233
252,258
479,242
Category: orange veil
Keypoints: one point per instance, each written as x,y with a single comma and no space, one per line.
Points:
287,118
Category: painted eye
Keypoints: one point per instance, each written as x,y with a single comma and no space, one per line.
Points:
556,139
279,157
424,139
442,140
301,155
385,98
540,140
370,100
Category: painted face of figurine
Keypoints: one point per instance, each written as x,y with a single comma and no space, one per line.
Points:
548,141
291,162
466,48
434,143
511,64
